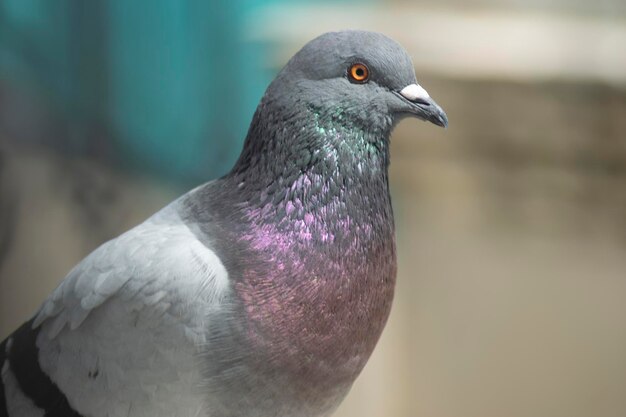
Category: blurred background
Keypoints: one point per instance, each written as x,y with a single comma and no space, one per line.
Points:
511,297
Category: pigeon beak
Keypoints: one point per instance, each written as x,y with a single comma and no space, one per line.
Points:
422,105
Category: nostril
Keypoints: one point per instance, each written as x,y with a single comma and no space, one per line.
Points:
421,102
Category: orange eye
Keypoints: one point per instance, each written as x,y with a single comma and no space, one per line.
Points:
359,73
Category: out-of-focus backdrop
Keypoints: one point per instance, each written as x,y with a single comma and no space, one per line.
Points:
511,297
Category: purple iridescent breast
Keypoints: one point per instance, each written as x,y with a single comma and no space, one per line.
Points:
318,304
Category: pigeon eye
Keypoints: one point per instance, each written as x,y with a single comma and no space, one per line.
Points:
359,73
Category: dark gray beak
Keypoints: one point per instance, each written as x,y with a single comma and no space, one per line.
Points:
422,105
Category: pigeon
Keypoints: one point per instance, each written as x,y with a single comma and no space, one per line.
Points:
262,293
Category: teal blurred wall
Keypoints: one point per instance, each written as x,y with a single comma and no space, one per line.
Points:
163,86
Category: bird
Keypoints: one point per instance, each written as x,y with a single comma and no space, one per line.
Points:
261,293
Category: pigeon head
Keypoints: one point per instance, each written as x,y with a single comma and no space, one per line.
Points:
365,75
339,97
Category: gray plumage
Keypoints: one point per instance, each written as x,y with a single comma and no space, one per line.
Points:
262,293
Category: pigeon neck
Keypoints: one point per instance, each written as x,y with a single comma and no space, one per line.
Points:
303,158
314,214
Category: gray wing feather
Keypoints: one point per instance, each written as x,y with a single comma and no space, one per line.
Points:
136,309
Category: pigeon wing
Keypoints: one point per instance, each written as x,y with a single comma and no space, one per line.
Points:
125,328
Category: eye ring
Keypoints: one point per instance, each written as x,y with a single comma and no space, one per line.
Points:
359,73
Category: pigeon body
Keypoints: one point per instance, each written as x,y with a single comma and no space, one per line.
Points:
259,294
